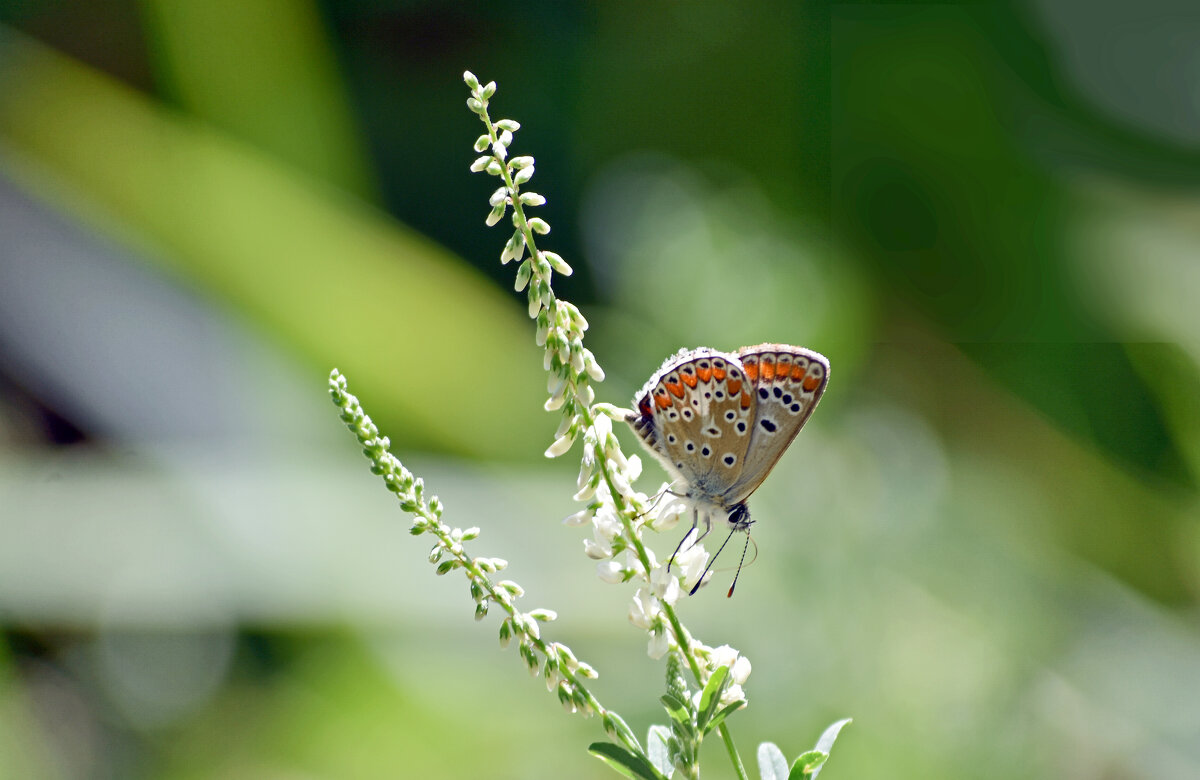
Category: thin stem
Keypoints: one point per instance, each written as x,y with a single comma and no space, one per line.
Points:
410,492
731,749
577,395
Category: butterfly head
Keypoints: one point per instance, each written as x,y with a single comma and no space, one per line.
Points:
739,517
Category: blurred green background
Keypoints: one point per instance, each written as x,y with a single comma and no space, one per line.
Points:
985,547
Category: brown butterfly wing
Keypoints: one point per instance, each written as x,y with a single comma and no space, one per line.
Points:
788,383
696,416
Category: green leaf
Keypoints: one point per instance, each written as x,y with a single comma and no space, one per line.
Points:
725,712
624,761
710,699
616,726
676,708
830,735
658,746
808,765
772,765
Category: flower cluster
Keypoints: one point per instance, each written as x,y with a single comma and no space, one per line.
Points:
560,325
563,672
616,511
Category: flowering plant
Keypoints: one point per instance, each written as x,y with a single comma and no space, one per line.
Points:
704,684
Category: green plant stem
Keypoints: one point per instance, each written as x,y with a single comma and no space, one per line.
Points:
410,493
588,420
723,730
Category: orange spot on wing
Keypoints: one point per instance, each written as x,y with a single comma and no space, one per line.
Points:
705,374
675,388
718,373
768,371
735,386
662,401
797,372
811,382
752,371
688,379
644,406
745,400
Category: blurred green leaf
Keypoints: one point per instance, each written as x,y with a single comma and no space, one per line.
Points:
625,762
444,356
772,765
264,72
658,741
676,709
722,714
808,765
710,697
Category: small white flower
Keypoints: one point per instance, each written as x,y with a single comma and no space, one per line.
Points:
618,479
586,492
587,467
658,644
582,517
611,572
665,585
668,513
560,445
644,612
597,551
733,693
739,665
634,564
691,560
603,427
633,467
740,670
606,524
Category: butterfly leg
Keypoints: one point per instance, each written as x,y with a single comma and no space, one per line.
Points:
678,547
695,524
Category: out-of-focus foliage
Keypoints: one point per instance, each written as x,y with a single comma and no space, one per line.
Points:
984,547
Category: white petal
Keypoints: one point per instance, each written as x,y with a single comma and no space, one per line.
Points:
610,571
658,645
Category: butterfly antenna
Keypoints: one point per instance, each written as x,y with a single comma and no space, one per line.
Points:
729,595
700,581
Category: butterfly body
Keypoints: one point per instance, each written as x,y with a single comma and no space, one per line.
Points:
719,422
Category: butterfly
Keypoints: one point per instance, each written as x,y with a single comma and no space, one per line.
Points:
719,422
